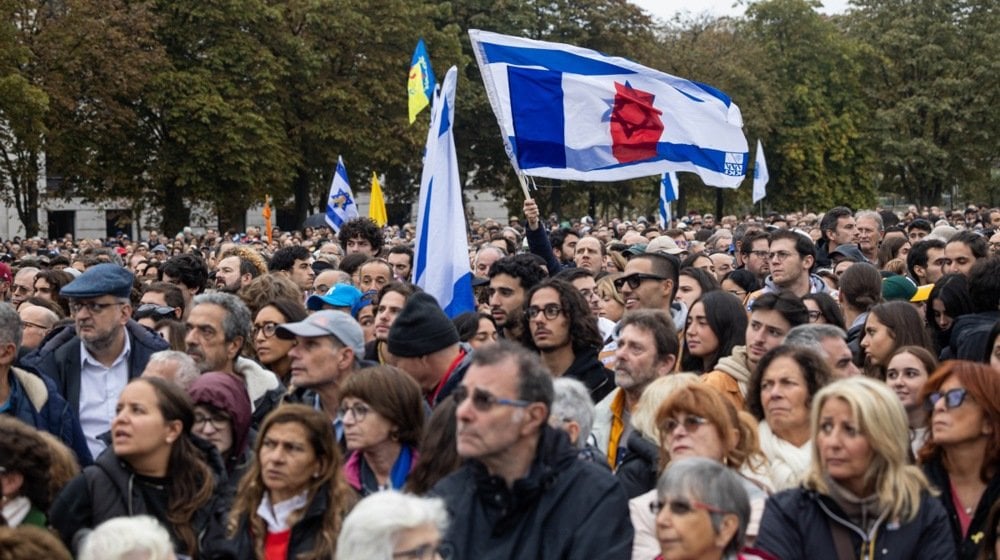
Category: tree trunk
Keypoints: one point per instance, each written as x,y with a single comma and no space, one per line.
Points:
176,214
303,198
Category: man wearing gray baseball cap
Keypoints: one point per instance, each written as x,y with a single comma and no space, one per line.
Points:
329,347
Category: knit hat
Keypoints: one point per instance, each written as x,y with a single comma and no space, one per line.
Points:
421,328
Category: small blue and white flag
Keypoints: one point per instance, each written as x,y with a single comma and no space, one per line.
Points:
441,255
760,175
340,205
668,194
571,113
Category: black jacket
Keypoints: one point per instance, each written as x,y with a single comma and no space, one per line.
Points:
218,545
968,546
587,369
970,334
564,509
110,488
796,526
637,471
58,357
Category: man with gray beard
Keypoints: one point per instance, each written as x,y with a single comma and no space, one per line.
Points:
92,360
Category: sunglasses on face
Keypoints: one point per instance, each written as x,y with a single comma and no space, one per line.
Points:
152,310
484,401
682,507
633,280
690,423
953,398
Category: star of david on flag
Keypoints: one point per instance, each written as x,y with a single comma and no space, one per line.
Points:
340,205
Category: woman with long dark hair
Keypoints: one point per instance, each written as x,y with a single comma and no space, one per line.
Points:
949,300
152,467
293,500
890,326
272,351
715,324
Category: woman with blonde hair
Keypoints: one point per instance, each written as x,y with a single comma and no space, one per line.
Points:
860,494
293,500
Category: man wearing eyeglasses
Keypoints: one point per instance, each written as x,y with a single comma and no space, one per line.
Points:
522,492
92,360
791,258
24,285
564,332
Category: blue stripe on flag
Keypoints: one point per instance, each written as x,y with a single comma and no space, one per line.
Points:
539,121
463,297
730,163
421,252
552,59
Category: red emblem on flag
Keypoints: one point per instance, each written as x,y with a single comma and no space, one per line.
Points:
635,124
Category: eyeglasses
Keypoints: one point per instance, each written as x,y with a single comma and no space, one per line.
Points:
953,398
484,401
152,310
426,552
92,306
218,422
738,293
358,410
551,311
691,423
779,256
267,328
760,254
633,280
682,507
814,316
34,325
19,289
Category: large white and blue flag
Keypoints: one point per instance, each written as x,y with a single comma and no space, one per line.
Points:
441,255
340,205
571,113
760,175
668,194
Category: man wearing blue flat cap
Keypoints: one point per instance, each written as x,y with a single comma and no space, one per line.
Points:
92,360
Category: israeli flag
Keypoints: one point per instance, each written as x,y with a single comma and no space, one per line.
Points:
340,205
668,194
572,113
441,256
760,176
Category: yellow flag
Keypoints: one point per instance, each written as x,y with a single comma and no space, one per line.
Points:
376,206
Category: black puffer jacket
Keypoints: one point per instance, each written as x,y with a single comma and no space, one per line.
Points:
564,509
587,369
637,471
796,526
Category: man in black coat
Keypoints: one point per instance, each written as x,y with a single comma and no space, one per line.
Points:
522,493
92,361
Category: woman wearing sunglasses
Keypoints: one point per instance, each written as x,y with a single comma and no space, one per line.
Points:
383,414
702,512
861,498
962,454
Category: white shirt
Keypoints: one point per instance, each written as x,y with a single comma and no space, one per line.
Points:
99,390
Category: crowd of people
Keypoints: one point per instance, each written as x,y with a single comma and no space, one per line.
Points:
790,387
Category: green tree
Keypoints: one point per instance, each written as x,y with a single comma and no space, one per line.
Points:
817,153
933,78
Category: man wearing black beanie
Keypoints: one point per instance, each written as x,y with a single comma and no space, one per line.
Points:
424,343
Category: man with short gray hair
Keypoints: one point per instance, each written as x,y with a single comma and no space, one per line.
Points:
829,342
522,492
174,366
218,324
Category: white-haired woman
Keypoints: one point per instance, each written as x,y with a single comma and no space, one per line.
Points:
128,538
860,497
389,525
